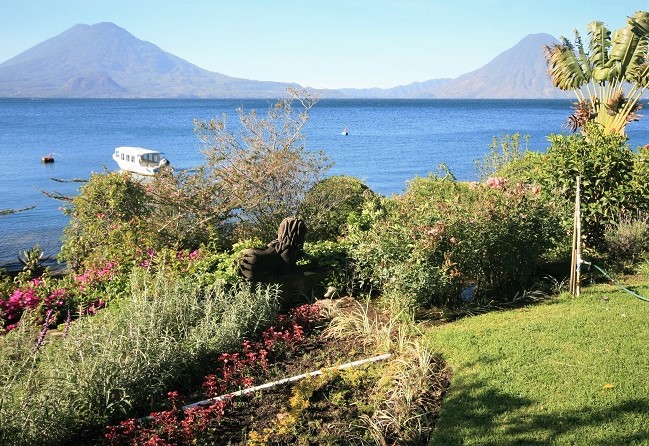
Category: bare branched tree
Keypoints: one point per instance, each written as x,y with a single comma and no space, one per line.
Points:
264,171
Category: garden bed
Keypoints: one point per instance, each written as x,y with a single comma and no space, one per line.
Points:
349,406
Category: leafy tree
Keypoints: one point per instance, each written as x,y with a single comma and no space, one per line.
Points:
327,206
598,75
265,171
605,164
106,221
255,178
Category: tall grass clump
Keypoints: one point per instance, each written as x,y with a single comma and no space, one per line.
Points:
443,237
122,361
403,400
627,240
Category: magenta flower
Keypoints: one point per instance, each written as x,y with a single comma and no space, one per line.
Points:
496,182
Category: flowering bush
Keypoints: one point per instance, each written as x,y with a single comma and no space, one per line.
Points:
496,182
441,236
38,295
84,293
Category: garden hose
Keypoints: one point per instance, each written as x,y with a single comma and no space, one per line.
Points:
614,282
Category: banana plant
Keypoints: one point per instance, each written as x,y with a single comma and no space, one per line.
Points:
600,74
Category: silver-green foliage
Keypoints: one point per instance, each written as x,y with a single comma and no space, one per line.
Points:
627,239
116,363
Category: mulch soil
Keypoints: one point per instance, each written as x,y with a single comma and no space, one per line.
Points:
325,421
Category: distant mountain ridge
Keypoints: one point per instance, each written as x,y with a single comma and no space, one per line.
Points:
106,61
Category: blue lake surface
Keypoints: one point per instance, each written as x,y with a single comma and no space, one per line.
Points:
389,142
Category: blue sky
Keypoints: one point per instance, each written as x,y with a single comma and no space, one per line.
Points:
322,44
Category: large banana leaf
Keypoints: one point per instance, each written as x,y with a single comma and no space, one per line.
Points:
600,41
564,67
583,57
623,52
638,69
637,64
639,23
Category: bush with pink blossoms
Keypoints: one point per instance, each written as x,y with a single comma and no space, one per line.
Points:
442,236
37,296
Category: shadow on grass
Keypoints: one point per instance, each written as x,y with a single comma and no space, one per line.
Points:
478,414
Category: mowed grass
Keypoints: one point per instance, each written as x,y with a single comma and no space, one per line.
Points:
569,371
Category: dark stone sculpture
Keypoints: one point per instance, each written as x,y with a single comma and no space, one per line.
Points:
279,256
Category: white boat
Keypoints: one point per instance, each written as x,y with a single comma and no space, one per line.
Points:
138,160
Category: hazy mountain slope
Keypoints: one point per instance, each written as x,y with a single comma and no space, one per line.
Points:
104,60
413,90
519,72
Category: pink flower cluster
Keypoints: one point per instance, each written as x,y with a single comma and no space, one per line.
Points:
29,297
94,276
151,255
496,182
235,370
194,255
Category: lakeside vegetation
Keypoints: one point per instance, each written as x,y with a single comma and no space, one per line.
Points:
153,313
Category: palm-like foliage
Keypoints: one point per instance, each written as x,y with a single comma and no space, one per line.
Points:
599,74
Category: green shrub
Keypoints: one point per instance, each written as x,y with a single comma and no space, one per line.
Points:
215,266
503,152
106,221
506,159
327,206
334,259
640,178
605,164
121,361
425,246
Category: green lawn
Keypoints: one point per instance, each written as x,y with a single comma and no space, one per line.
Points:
568,371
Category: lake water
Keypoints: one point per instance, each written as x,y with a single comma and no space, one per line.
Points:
389,142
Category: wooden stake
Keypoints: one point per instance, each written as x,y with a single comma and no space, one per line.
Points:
576,244
578,224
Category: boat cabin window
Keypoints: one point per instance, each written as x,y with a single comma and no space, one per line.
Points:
151,157
122,156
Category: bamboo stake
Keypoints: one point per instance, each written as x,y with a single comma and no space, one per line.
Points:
578,225
573,260
576,236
